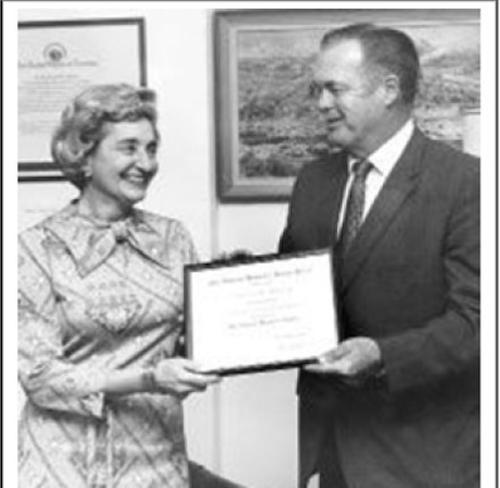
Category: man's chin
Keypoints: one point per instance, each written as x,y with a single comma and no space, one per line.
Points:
336,142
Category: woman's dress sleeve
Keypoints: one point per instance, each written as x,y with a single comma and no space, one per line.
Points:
49,380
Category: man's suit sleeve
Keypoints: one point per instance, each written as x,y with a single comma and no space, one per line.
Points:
447,345
285,243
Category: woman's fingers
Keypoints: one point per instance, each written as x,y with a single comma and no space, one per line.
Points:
181,375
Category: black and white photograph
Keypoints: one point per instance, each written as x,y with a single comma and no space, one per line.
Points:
254,244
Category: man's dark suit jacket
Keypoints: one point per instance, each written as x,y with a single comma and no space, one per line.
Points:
411,281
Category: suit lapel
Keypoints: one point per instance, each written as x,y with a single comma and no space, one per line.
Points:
331,189
396,190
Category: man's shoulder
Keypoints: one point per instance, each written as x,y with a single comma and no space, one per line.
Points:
325,166
447,170
441,155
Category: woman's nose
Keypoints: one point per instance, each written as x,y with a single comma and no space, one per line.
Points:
146,160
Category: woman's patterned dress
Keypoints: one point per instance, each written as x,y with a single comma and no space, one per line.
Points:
95,297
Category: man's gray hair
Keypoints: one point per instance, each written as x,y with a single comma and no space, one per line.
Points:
384,48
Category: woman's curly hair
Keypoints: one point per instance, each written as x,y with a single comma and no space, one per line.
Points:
81,127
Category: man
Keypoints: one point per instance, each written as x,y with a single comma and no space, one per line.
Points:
396,404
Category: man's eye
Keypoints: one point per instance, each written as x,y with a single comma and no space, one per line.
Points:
335,89
315,90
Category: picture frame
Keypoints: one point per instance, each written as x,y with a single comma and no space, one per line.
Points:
267,125
57,60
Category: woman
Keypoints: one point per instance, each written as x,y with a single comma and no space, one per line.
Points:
100,296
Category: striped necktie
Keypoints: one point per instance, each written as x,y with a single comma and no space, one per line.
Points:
353,216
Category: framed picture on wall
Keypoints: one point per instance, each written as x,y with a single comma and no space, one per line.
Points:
266,119
56,61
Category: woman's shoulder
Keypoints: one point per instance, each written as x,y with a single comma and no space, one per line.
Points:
172,233
35,241
41,228
164,225
154,218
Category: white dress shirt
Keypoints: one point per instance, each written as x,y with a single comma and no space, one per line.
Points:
383,160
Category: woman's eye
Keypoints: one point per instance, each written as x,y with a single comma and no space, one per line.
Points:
152,150
128,149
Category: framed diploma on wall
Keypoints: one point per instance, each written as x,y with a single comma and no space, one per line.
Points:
56,61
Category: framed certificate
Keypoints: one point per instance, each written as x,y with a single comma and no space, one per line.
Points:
268,312
56,61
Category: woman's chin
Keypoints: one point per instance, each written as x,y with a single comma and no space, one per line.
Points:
131,198
134,193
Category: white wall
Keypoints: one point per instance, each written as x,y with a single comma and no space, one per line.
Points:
258,414
246,427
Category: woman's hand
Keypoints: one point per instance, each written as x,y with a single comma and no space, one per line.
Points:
180,376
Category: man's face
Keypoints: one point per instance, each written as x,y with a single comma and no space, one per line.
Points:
350,100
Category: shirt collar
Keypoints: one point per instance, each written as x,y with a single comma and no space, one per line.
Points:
91,241
388,154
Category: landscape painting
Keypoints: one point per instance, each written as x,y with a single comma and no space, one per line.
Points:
276,124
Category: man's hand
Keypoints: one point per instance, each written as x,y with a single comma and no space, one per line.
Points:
354,360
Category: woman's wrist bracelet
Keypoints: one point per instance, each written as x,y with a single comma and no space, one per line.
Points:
148,380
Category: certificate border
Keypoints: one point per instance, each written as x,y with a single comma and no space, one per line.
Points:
33,171
190,269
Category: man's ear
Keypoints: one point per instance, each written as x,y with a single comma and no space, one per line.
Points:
392,89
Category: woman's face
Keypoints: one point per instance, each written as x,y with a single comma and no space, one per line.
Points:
124,162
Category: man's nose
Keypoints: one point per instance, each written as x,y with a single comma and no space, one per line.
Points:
326,100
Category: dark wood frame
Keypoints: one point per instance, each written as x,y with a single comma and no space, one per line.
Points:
29,171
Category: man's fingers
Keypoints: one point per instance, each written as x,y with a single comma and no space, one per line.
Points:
334,354
315,368
322,368
339,363
344,367
341,370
